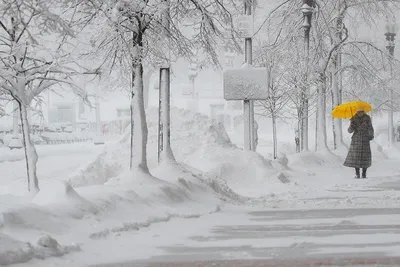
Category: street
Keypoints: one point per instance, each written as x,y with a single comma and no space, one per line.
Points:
330,237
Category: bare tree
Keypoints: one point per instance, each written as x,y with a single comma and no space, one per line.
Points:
134,35
278,98
334,53
33,59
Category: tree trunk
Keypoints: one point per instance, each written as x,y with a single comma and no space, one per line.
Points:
337,78
337,123
140,131
15,120
321,114
274,136
166,153
31,156
146,88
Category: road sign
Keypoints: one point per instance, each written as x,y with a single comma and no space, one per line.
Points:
245,83
245,26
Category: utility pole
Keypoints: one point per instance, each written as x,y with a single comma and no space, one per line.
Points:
307,17
248,105
164,132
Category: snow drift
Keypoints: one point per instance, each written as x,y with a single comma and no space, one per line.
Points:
63,200
196,141
13,251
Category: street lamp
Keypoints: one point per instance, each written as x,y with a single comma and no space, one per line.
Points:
307,10
391,30
192,76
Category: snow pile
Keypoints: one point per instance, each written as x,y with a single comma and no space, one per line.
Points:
190,132
101,168
48,247
132,201
63,200
197,181
13,251
123,204
204,144
196,141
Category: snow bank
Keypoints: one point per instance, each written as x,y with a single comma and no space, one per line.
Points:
195,180
101,168
63,200
13,251
122,204
133,201
196,141
204,144
48,247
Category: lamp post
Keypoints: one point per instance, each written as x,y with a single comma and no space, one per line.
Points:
307,10
192,76
391,29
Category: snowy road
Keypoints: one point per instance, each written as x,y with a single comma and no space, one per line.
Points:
342,237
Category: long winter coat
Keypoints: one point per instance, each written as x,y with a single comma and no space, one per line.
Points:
359,155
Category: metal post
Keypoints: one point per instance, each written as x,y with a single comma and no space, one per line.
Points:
166,152
390,37
160,124
165,100
307,15
248,105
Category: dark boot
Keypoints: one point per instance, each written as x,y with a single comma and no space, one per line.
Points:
364,173
357,173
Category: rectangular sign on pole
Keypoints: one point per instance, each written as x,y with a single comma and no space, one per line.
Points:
245,26
246,83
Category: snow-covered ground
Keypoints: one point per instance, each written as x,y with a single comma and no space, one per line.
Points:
90,201
279,238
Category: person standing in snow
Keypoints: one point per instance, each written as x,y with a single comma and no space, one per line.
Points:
359,156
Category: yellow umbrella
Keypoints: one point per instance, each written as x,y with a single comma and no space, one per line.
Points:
349,109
